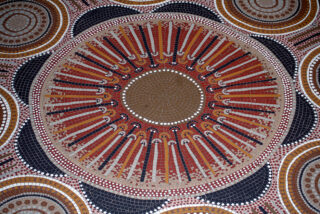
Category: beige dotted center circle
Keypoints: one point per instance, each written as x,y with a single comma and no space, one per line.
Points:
163,97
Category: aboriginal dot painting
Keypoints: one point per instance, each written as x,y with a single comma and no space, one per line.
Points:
159,106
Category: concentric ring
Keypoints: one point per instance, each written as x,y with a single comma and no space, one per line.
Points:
298,177
32,194
309,75
29,27
9,115
269,17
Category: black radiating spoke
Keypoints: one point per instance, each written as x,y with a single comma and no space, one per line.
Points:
226,64
146,159
306,39
244,83
146,46
236,131
202,52
120,52
212,145
6,161
116,149
80,108
174,58
181,155
98,64
94,132
84,84
212,105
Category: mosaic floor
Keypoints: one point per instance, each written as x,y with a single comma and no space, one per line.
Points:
155,106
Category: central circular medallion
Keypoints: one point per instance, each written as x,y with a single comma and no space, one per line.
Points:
163,97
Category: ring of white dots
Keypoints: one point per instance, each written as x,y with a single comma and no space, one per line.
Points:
164,123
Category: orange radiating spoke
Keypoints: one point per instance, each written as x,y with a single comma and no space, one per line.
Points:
238,72
141,135
112,80
194,39
103,96
220,113
187,133
165,136
162,59
103,143
81,123
107,57
249,95
216,54
141,61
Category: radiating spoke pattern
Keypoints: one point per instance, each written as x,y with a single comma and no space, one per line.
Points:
162,102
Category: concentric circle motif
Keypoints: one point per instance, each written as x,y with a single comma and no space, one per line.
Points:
153,107
309,75
299,179
196,209
269,16
30,27
39,195
9,115
140,2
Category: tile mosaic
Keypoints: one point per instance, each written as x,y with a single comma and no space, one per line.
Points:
158,106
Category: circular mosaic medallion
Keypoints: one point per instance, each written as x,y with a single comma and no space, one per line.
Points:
39,195
268,16
156,106
29,27
299,179
309,75
9,115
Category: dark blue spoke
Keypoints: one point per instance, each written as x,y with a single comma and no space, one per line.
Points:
181,155
98,64
146,158
94,131
116,149
113,103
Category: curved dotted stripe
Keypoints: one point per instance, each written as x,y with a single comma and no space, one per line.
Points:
32,154
308,75
98,15
9,116
188,7
24,76
119,204
246,191
284,55
304,121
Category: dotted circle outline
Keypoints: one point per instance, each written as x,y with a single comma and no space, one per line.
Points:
123,97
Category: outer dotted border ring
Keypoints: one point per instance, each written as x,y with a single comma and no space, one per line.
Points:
123,97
